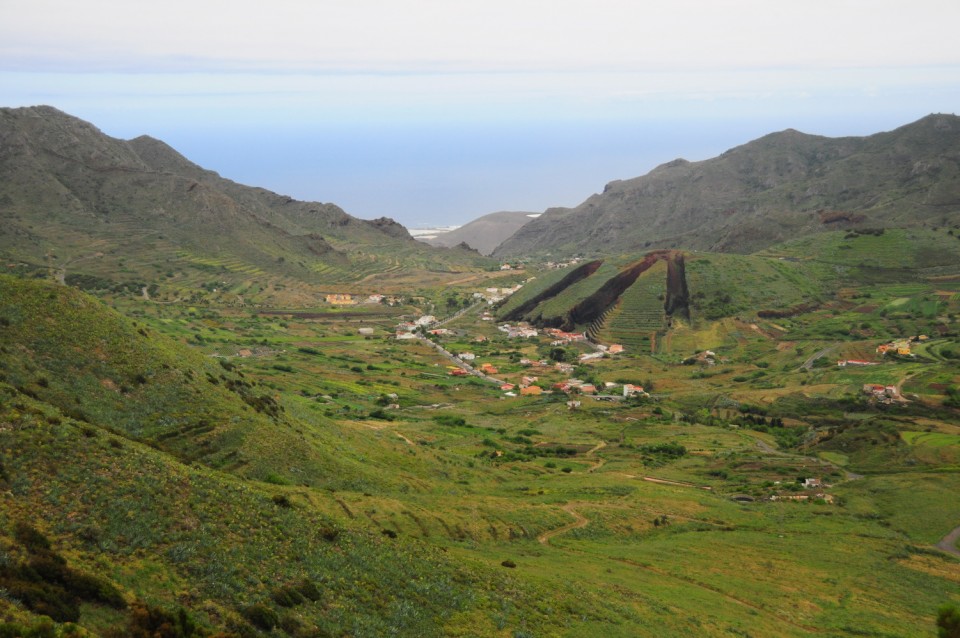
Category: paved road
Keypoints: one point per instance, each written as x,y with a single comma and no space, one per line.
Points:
459,362
816,355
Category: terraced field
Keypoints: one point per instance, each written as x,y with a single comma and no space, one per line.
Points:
562,303
639,314
532,289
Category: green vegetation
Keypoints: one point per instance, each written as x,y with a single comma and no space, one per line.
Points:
198,469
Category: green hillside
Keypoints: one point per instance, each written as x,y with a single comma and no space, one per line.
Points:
382,496
207,449
783,281
66,349
236,556
639,315
135,217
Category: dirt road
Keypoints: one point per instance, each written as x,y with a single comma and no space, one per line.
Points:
948,543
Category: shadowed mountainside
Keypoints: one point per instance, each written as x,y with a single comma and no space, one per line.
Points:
781,186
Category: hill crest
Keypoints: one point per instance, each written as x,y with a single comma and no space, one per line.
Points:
782,185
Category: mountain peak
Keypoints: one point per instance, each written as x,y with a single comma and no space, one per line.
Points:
765,191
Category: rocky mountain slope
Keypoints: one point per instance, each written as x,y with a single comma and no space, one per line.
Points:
780,186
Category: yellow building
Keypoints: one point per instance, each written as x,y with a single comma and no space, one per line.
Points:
341,299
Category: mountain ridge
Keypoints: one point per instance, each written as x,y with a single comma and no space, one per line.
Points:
68,191
778,186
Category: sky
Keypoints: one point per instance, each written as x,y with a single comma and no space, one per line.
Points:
434,112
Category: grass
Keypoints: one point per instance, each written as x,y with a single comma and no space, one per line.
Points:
405,524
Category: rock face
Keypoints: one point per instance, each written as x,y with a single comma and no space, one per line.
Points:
390,227
485,233
777,187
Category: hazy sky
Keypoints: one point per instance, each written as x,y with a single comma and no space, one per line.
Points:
438,111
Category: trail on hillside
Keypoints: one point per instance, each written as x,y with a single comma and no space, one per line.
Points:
948,543
600,461
581,521
653,479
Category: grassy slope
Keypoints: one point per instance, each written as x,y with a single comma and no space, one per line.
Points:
176,535
717,568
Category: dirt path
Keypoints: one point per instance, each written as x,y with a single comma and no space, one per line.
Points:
60,274
598,463
900,383
654,479
581,521
386,427
948,543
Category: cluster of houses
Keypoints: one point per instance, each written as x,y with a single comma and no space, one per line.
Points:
843,363
813,490
347,299
406,329
562,338
706,358
563,264
901,346
882,393
520,331
495,295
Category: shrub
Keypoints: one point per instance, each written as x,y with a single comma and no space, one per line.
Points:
94,589
674,450
43,629
261,616
509,563
309,590
446,419
948,622
147,621
329,533
30,537
281,500
287,597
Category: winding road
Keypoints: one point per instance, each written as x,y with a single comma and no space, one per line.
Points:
816,355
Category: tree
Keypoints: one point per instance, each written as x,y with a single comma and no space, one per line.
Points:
948,622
